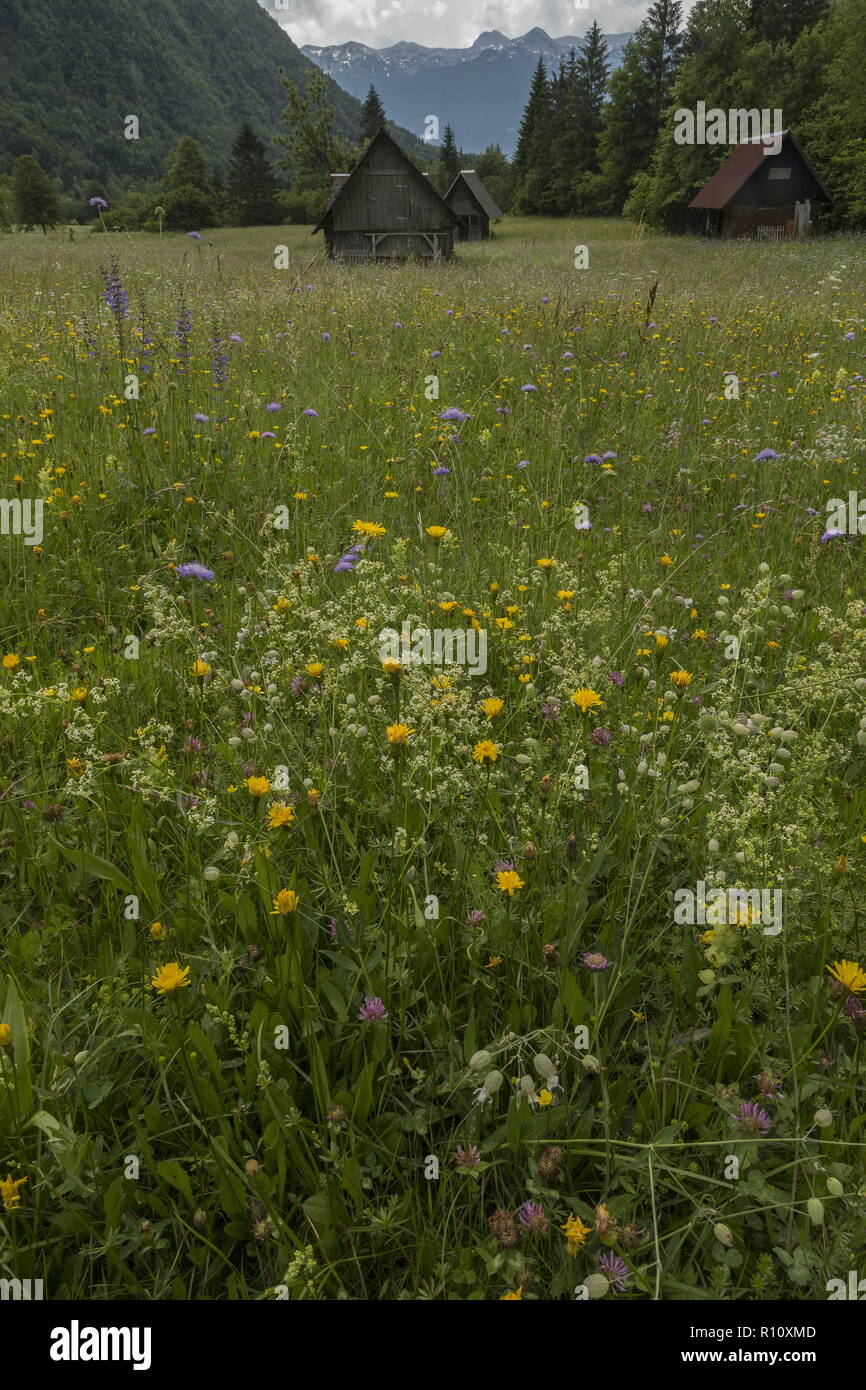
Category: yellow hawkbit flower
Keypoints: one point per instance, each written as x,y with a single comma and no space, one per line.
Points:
849,974
10,661
279,815
586,699
80,693
485,751
493,706
285,903
545,1097
315,669
545,563
170,978
507,881
437,532
157,931
665,560
661,641
681,677
369,528
257,786
398,734
514,1297
493,962
5,1035
391,666
341,643
200,668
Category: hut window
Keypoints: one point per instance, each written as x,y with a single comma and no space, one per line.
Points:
780,173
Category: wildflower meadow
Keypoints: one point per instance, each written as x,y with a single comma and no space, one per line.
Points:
433,735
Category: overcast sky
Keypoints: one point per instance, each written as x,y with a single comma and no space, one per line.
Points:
447,23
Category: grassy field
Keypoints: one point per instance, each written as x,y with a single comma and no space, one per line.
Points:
326,977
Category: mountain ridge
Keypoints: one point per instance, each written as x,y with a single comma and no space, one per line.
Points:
480,91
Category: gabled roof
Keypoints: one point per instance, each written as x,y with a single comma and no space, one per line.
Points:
478,191
340,182
739,167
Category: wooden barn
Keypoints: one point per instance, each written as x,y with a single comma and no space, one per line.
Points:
385,209
757,193
472,203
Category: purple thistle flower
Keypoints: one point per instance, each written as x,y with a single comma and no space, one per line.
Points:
372,1010
193,570
752,1119
594,960
615,1270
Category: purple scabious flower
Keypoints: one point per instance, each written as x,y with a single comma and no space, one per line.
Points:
149,430
193,570
272,406
202,419
436,353
592,458
594,960
524,463
849,337
529,388
453,413
441,471
616,678
349,560
615,1271
832,534
313,414
97,202
601,737
196,236
765,455
752,1119
372,1010
532,1218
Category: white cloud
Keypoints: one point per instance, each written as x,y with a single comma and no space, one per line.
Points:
446,23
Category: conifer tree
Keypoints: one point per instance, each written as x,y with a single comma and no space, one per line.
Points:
35,196
372,116
252,187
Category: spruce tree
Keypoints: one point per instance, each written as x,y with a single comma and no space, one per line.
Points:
35,196
252,187
639,94
449,157
188,195
372,116
782,21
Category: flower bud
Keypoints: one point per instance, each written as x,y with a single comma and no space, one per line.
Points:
834,1187
479,1060
823,1118
590,1063
724,1235
815,1208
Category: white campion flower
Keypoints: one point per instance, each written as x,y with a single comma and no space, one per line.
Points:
492,1082
546,1070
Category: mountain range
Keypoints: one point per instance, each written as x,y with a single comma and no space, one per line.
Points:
71,75
479,91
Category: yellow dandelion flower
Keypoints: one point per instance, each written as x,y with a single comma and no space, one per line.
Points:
398,734
391,666
849,974
507,881
493,706
200,668
315,669
257,786
681,677
369,528
341,643
586,699
285,903
170,978
437,532
485,751
545,563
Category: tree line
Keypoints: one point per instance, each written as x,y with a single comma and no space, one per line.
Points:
591,142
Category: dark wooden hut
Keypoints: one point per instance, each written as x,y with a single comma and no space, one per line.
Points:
757,193
475,209
385,209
